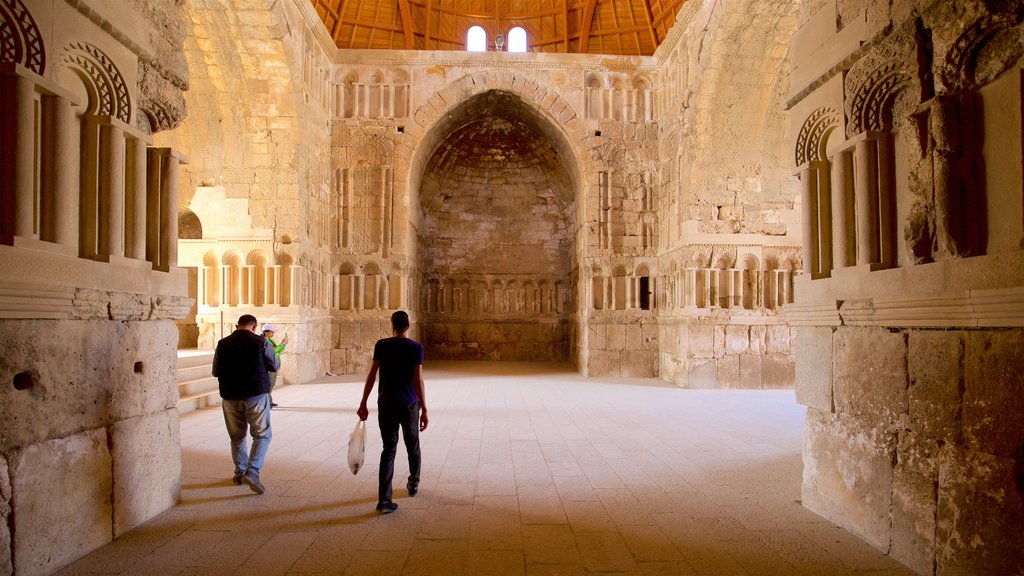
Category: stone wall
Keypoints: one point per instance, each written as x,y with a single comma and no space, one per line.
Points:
729,203
89,287
907,318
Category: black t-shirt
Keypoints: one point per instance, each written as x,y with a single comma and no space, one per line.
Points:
398,359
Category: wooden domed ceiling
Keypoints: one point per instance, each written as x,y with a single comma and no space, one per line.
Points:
626,27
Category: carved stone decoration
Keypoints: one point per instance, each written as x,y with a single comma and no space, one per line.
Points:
161,102
108,93
20,41
959,71
813,134
871,87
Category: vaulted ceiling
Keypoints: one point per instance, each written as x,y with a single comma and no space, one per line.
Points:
627,27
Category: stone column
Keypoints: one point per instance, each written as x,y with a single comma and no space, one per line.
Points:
225,285
843,232
273,287
136,200
250,284
60,193
885,164
809,207
824,202
866,195
23,156
169,208
111,190
201,287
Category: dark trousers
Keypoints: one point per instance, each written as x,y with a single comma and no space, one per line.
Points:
391,417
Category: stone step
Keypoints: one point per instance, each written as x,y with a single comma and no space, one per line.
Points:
197,386
193,357
188,373
194,402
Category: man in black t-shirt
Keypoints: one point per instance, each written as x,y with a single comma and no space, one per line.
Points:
400,404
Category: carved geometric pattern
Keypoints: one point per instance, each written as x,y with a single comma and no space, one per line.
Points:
108,93
812,133
871,86
958,69
20,41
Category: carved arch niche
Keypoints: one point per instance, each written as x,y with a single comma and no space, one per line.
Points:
626,202
882,90
814,168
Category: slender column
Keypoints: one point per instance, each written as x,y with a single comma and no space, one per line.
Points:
824,202
250,284
843,231
111,188
169,210
885,163
135,200
24,158
60,194
225,285
866,195
809,206
273,280
201,287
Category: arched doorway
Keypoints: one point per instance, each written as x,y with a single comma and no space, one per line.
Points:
496,234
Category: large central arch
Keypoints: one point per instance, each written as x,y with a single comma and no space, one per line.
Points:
495,192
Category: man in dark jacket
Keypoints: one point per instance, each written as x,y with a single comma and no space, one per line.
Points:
240,364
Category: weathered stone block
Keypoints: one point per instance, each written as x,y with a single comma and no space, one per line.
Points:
639,364
993,388
848,474
147,468
61,495
870,375
634,337
758,339
702,374
778,371
728,372
777,339
814,367
702,341
87,374
616,338
718,332
935,367
737,339
750,372
980,513
914,481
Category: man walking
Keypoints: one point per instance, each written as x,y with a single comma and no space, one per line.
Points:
241,363
400,403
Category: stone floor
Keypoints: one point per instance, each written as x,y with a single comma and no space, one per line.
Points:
528,469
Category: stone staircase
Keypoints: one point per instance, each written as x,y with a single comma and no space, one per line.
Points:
196,387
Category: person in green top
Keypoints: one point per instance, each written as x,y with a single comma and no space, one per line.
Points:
268,333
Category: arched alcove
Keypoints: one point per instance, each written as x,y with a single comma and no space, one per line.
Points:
497,202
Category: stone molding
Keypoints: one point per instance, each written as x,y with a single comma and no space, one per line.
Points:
23,300
997,308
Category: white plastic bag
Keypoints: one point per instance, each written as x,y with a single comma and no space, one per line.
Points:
357,447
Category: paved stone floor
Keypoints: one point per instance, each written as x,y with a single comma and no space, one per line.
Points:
528,469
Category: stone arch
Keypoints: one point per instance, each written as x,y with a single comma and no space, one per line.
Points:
106,88
434,116
959,70
813,136
189,226
20,41
873,84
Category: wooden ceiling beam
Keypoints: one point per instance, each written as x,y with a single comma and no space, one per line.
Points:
650,23
588,21
426,27
403,7
565,24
